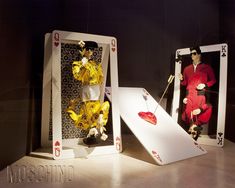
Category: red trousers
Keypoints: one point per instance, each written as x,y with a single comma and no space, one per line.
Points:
196,101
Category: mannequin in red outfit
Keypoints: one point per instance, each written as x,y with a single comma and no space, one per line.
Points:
196,77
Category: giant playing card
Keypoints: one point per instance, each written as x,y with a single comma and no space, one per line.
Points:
59,88
164,140
216,56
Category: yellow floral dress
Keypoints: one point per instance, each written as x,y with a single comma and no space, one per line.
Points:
93,113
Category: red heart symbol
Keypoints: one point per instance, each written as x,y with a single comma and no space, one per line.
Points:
149,117
154,152
57,143
56,44
113,49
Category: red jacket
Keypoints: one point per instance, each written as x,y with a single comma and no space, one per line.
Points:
203,74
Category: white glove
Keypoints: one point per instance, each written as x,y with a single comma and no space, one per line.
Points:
84,60
104,137
185,100
180,76
196,111
92,131
201,86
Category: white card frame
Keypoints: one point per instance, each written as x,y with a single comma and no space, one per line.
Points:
52,91
166,142
223,51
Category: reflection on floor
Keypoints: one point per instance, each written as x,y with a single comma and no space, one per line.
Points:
132,168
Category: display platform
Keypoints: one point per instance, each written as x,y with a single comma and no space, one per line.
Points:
131,168
165,141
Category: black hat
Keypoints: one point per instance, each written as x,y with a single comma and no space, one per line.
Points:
90,45
197,48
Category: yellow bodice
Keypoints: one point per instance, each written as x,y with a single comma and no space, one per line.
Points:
89,73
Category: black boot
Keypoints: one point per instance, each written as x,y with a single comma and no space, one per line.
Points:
90,140
198,130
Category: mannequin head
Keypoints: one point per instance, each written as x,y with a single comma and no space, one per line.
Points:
195,53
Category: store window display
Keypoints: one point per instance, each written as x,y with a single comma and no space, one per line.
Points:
197,78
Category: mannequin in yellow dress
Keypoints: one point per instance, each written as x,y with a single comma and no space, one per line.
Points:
93,114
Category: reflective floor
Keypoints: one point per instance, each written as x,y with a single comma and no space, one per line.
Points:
132,168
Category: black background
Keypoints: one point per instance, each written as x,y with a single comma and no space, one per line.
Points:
148,34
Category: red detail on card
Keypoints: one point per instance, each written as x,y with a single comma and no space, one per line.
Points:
118,144
57,152
113,49
199,147
113,42
57,143
154,152
156,155
56,44
149,117
145,92
57,36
